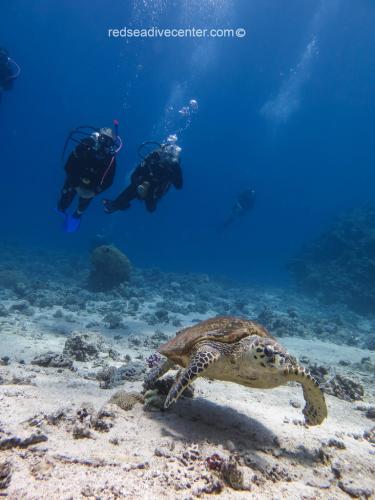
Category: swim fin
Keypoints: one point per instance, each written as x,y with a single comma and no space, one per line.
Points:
71,224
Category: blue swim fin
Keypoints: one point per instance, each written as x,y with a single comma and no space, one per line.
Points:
71,224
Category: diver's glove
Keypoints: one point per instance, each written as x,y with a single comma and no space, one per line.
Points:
109,207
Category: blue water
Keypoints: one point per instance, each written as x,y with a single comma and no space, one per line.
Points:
288,109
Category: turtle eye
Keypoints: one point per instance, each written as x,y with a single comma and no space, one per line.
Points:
268,351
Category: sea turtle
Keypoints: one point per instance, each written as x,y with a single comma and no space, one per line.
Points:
236,350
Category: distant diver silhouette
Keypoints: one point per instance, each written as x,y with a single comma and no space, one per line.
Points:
243,204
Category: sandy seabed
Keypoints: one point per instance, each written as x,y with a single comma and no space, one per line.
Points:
61,438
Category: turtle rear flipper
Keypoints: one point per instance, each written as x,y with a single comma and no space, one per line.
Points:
315,410
199,362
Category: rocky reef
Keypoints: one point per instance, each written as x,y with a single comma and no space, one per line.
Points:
110,268
339,267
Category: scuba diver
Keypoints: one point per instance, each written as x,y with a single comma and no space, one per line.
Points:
244,202
90,170
152,178
9,71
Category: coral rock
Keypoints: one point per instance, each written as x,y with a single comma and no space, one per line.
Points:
110,268
5,474
53,359
87,346
340,265
112,376
126,400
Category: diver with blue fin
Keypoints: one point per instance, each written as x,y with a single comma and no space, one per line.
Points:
90,170
9,71
152,178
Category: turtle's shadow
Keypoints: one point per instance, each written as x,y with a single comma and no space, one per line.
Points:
199,419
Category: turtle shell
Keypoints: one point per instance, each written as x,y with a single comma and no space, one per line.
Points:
227,329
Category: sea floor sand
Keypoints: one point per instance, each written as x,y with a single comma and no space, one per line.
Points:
60,438
153,454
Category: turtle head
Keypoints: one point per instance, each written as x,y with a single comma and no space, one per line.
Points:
174,353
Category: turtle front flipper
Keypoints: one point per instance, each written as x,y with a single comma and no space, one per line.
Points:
199,362
315,410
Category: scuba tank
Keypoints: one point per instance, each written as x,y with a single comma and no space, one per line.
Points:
82,132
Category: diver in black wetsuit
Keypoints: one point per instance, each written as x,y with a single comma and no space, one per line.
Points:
244,203
9,71
90,170
151,180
